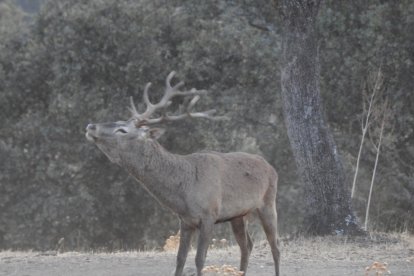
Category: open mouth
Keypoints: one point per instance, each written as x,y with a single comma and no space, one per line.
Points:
91,128
90,137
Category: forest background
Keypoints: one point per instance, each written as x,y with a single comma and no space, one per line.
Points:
65,63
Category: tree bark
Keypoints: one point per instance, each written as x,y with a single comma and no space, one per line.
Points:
328,208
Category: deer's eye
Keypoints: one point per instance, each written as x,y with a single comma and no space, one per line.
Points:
120,130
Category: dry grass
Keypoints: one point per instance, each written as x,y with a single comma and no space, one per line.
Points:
172,243
375,255
377,268
378,247
224,270
375,252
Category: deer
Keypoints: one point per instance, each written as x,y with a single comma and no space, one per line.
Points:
202,188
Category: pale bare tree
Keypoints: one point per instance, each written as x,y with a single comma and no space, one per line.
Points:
367,103
383,115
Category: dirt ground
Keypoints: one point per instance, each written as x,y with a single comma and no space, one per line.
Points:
310,257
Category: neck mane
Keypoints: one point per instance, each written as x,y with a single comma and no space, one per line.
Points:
162,173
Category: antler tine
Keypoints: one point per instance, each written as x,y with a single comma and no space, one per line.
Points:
169,78
145,95
193,102
205,114
147,101
149,108
133,109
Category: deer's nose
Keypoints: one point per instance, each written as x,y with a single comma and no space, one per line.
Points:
91,127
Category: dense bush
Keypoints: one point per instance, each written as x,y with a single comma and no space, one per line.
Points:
83,60
79,61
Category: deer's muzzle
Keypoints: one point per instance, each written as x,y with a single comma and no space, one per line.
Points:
90,131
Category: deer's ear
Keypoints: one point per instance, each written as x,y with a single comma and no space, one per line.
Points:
155,133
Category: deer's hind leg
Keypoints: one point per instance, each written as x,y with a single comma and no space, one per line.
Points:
268,217
243,239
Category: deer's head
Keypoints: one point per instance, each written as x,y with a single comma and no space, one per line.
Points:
120,137
123,136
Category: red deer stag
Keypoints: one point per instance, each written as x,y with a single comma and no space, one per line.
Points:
201,188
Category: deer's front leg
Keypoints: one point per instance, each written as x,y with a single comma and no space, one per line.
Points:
206,229
186,232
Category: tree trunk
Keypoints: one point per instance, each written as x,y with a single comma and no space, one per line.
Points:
327,199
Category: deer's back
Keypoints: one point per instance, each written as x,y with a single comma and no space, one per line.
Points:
235,183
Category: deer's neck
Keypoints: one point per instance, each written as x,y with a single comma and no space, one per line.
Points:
163,174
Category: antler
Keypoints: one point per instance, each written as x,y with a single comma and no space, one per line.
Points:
171,92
